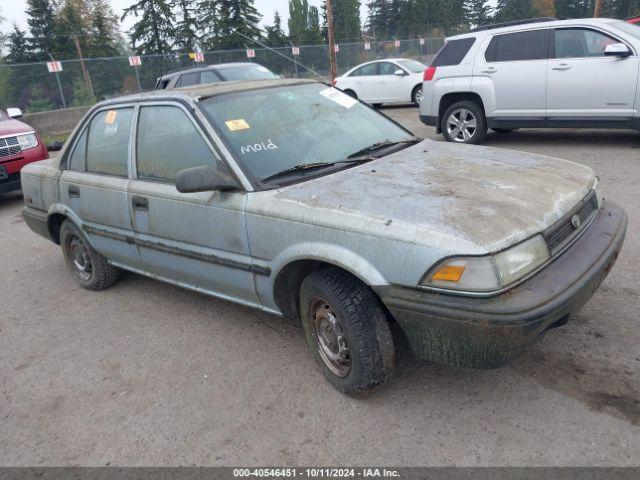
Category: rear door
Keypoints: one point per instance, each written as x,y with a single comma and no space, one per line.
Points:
197,239
94,184
587,88
513,71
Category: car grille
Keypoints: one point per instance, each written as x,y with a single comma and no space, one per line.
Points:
561,233
9,146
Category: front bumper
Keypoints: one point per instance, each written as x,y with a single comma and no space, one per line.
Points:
11,183
490,332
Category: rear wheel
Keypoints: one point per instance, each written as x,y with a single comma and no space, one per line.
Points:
351,93
464,122
91,270
347,331
416,95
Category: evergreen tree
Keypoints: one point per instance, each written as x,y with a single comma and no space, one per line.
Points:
507,10
154,30
207,22
478,12
186,36
298,20
574,8
544,8
237,16
275,35
71,23
313,35
41,21
105,37
18,46
346,20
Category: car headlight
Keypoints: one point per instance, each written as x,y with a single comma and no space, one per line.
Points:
597,187
27,141
492,272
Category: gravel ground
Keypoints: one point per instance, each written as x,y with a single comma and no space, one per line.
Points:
149,374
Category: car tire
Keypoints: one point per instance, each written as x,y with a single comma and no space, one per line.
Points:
351,93
416,95
91,269
464,122
355,351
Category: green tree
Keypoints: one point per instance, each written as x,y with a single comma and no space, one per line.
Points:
275,36
18,45
313,34
207,22
507,10
186,35
72,23
478,12
298,20
81,94
346,20
237,16
41,21
574,8
37,101
154,30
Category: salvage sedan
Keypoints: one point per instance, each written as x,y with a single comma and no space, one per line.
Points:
294,198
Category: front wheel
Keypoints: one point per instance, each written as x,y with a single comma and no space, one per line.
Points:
347,331
464,122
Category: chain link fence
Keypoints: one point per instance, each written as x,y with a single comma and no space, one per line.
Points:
32,88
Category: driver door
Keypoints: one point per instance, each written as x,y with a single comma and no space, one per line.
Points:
196,240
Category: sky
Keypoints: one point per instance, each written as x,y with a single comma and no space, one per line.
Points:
13,11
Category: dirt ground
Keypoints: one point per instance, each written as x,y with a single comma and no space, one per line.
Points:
148,374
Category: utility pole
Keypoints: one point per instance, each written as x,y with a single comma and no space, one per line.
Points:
332,47
85,72
596,9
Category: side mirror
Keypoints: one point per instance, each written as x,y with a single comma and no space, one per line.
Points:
204,179
617,50
14,112
399,73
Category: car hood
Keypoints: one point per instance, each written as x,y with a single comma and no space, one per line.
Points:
13,127
467,199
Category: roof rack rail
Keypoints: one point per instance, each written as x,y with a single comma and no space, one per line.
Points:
513,23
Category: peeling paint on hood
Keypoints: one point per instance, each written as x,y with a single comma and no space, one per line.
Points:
468,198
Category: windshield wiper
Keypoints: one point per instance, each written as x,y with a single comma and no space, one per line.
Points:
379,145
315,165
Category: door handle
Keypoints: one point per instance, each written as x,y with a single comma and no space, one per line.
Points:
140,203
490,70
74,191
562,67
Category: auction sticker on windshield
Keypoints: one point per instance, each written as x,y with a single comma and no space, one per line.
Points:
240,124
111,117
340,98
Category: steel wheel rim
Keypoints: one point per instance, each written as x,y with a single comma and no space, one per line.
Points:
462,125
330,337
80,259
419,96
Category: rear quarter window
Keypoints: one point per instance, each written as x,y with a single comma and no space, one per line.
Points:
453,52
533,45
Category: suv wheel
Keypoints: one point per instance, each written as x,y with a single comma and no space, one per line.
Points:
464,122
347,331
91,270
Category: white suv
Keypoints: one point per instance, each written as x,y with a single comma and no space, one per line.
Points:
543,73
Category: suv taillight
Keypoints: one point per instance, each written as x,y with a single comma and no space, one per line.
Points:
335,80
429,73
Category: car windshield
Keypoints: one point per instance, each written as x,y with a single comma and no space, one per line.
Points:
412,65
246,72
628,28
274,129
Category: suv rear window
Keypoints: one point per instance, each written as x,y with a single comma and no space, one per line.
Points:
452,52
533,45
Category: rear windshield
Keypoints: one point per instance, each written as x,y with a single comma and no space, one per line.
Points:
412,65
452,52
246,72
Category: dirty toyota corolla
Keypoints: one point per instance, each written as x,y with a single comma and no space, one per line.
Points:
297,199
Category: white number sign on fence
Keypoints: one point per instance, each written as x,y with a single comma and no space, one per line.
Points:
251,53
295,51
135,61
198,57
397,43
367,46
422,41
336,48
54,67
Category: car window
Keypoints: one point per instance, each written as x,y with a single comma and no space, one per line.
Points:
532,45
246,72
580,43
452,52
108,142
167,142
413,65
320,124
77,159
188,79
387,68
366,70
207,76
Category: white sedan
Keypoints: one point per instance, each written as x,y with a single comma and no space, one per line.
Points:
384,81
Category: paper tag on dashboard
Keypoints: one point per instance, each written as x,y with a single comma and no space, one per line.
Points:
240,124
340,98
111,117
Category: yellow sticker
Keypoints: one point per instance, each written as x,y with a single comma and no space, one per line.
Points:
240,124
111,117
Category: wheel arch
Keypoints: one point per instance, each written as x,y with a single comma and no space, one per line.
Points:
450,98
57,214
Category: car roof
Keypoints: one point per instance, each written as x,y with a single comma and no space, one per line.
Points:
535,25
205,90
215,66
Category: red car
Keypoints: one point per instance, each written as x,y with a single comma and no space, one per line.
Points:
19,145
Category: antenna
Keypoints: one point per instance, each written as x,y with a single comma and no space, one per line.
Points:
281,54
